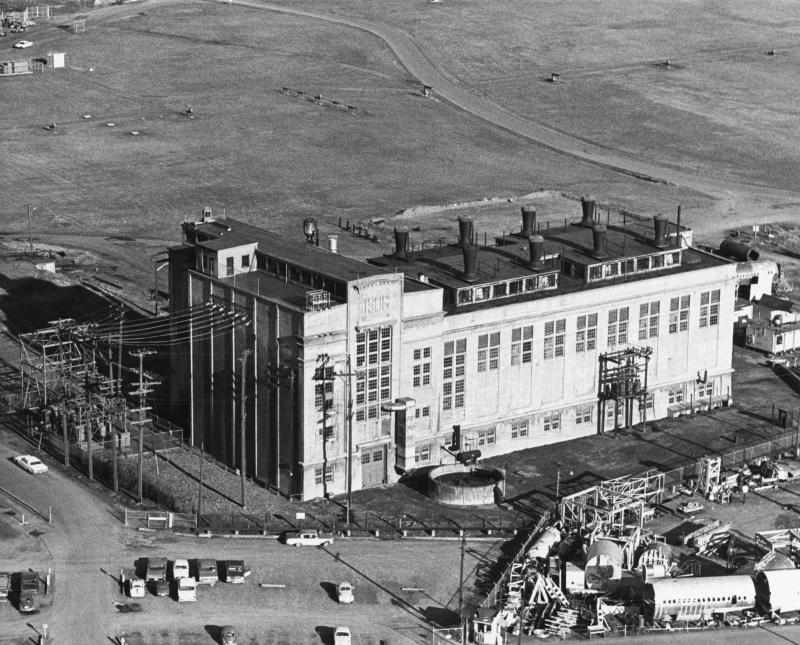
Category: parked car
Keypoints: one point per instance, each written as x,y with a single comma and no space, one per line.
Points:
206,573
180,569
22,44
344,592
187,590
234,571
29,462
342,636
160,587
308,537
28,591
227,635
136,588
5,585
156,568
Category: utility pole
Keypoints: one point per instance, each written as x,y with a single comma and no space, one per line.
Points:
243,417
461,588
349,438
119,347
142,391
30,233
200,490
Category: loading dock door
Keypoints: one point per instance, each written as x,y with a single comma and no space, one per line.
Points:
373,466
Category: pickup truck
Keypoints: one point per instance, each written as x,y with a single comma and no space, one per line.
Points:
308,537
206,572
187,589
5,585
234,571
28,591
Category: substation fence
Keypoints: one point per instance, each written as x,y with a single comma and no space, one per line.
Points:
160,520
446,635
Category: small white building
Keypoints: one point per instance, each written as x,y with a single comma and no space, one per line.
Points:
774,326
55,60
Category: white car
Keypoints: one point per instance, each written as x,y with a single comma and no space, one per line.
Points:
180,569
344,592
342,636
308,537
23,44
30,463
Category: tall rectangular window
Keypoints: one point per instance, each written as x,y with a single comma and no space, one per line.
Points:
373,372
245,261
521,345
586,333
709,308
554,332
229,266
618,327
679,314
328,474
488,351
583,414
422,366
675,395
648,319
453,374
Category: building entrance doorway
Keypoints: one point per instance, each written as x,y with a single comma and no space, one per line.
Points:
373,466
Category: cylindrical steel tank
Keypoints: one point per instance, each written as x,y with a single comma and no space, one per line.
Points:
738,251
697,597
542,545
603,564
778,590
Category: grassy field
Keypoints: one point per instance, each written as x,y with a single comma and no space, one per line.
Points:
255,153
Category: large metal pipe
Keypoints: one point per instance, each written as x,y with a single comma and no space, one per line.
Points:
738,251
528,221
587,210
661,237
464,231
599,239
536,251
470,253
401,243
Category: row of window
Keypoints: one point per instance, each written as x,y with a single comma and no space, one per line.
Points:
507,288
367,457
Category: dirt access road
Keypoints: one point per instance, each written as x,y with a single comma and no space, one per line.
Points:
749,201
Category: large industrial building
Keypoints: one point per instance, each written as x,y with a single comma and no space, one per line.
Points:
346,374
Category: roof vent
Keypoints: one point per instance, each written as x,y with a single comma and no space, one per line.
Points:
536,249
470,253
464,231
333,243
310,229
401,244
587,208
661,240
528,221
207,217
599,237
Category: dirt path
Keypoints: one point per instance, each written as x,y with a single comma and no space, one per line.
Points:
737,204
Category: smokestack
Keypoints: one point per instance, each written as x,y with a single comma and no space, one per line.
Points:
599,237
464,231
333,243
401,244
536,249
528,221
661,239
470,253
587,208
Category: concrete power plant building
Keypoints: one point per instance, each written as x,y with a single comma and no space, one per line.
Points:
350,373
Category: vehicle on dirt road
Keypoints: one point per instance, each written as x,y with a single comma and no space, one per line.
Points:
307,537
29,462
227,635
187,590
180,569
234,571
136,588
23,44
341,636
206,571
28,591
344,593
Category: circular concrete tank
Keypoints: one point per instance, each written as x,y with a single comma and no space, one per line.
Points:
461,485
